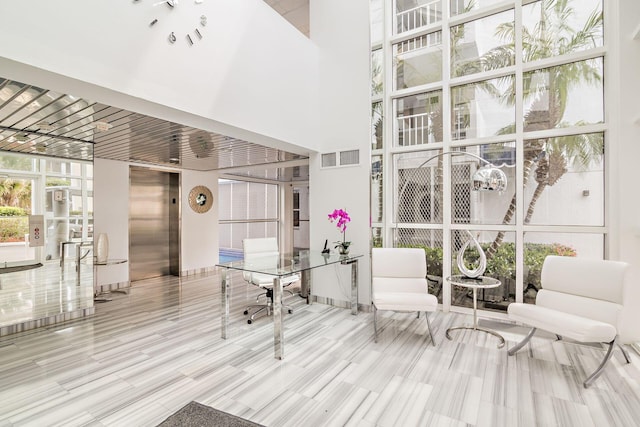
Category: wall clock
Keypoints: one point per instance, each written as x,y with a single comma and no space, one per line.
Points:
189,34
200,199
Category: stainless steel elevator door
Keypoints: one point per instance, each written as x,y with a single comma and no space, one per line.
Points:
152,219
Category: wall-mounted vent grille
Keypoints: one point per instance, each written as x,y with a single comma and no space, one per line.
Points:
328,160
351,157
345,158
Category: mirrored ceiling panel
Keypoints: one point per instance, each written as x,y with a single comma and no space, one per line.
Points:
39,121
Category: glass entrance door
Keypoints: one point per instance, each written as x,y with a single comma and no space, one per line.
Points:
17,201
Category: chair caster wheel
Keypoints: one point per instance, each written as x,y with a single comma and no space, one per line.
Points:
246,312
249,321
290,311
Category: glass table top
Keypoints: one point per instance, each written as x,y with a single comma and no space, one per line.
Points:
286,264
474,282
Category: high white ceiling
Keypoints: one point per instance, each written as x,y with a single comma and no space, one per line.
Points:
294,11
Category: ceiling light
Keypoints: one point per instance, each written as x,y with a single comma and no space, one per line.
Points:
22,137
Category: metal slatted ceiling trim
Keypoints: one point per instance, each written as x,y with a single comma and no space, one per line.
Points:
40,121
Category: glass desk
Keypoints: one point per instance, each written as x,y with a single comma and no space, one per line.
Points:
481,282
279,267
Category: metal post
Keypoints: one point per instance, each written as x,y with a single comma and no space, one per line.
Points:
354,287
225,280
278,335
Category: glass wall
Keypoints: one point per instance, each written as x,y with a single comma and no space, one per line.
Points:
247,210
507,83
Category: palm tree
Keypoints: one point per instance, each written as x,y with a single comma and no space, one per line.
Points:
547,91
16,193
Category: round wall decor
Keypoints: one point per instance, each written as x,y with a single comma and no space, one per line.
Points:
200,199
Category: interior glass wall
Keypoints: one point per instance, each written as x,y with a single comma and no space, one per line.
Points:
247,210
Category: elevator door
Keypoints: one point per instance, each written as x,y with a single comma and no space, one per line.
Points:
154,237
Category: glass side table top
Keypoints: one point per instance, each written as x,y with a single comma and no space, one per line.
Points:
481,282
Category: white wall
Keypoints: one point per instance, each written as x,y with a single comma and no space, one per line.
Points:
199,244
227,82
111,216
624,145
342,123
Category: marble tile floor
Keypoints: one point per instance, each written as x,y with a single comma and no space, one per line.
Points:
144,355
44,295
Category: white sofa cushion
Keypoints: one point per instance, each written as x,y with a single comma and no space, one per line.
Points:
598,279
405,301
564,324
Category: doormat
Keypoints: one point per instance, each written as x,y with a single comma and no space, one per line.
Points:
195,414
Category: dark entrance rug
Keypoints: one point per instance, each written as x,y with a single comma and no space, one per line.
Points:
194,414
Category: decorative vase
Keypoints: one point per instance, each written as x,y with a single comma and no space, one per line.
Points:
102,248
343,248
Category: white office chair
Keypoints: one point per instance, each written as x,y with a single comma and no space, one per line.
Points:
399,283
263,253
581,299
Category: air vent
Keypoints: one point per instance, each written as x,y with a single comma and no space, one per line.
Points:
346,158
351,157
328,160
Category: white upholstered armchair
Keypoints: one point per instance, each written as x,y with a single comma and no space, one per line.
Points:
399,283
580,299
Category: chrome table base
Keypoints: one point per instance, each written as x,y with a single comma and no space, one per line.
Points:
475,322
476,328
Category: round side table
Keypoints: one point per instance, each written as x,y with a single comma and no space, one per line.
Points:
481,282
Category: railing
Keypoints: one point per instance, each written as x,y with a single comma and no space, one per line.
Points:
427,40
414,130
419,16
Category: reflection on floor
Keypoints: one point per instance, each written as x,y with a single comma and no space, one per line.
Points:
145,355
43,296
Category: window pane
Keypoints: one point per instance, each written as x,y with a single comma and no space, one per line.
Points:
483,44
376,237
500,251
483,207
555,97
412,14
419,119
418,61
22,163
463,6
376,72
565,182
419,192
553,28
483,109
377,126
538,245
376,188
377,20
431,242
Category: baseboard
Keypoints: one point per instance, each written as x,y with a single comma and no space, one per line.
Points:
113,286
366,308
195,271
